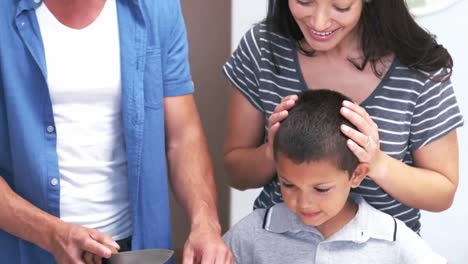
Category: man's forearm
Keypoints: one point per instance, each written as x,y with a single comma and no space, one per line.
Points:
192,178
191,175
22,219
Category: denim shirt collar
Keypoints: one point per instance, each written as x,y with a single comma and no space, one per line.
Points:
24,5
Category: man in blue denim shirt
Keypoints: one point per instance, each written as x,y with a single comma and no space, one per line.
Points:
157,119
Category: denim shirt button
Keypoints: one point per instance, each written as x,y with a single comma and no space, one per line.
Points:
54,181
37,1
50,129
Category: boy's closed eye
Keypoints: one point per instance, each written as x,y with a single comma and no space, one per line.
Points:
318,189
287,185
322,190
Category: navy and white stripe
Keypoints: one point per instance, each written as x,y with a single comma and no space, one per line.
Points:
410,109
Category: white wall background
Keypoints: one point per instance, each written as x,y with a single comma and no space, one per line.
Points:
447,232
244,14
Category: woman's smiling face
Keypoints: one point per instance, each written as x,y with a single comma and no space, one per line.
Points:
326,23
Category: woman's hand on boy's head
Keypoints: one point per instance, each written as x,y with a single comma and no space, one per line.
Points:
364,142
279,114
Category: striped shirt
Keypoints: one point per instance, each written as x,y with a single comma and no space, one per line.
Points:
410,109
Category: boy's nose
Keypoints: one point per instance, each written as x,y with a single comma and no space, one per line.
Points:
304,201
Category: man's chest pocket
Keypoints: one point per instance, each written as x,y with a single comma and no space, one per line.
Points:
153,83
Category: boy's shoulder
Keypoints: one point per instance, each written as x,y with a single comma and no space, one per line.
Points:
409,246
262,222
254,220
242,237
413,249
247,226
373,223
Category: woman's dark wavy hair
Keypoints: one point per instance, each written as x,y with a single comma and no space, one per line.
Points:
386,26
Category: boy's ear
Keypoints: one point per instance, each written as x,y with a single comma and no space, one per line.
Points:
359,174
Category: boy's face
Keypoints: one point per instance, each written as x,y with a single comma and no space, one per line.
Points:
315,191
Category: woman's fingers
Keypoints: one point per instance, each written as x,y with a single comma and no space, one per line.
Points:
364,140
356,136
361,154
292,97
357,120
277,117
286,103
358,109
281,110
271,138
279,114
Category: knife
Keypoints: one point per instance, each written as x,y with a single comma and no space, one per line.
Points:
147,256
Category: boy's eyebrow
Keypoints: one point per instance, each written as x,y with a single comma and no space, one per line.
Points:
283,178
315,185
324,183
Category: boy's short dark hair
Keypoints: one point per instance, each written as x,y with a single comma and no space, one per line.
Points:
311,132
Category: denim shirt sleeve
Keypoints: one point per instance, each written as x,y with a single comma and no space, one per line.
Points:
4,145
176,70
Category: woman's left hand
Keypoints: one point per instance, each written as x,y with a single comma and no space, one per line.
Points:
364,142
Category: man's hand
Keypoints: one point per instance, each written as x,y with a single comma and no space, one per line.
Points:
205,245
70,242
192,179
90,258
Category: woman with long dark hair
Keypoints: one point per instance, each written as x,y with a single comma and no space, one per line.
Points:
375,53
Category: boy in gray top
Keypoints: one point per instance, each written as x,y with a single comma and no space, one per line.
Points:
319,221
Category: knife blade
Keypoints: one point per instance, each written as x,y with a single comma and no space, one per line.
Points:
147,256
